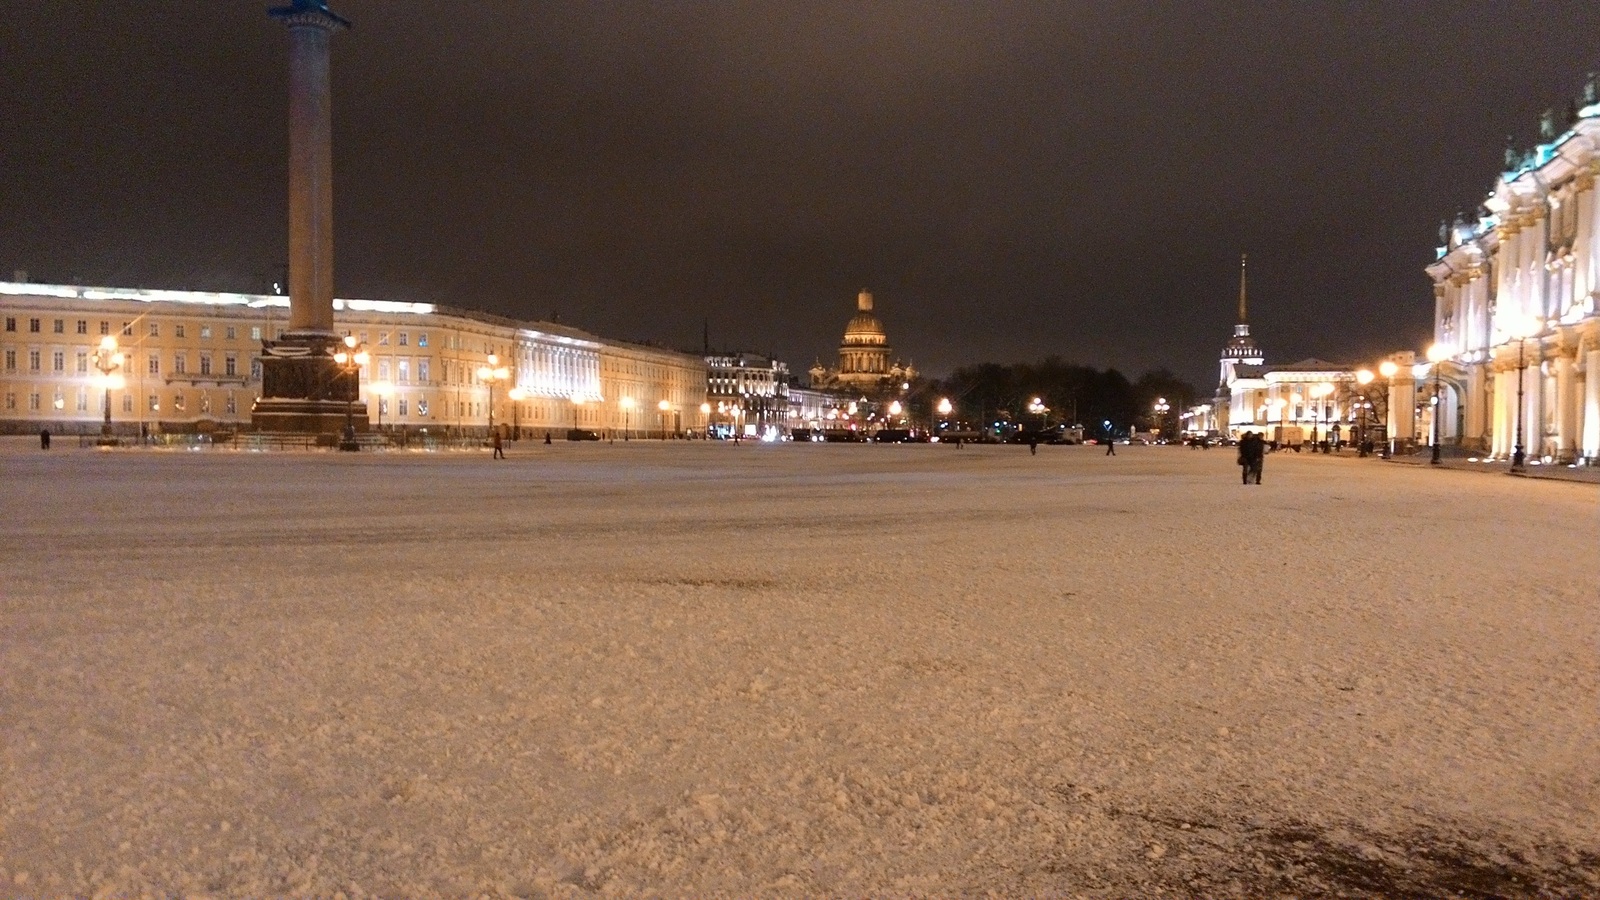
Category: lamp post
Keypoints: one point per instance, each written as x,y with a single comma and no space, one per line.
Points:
894,411
383,390
1161,408
665,407
1387,369
517,395
490,374
1363,378
1522,329
107,360
1437,354
944,411
350,358
705,413
627,416
1320,392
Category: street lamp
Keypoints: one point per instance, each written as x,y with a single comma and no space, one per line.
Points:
894,410
490,374
665,408
108,360
1521,327
517,395
627,416
1364,378
1161,408
944,410
1437,354
1387,369
350,358
1320,392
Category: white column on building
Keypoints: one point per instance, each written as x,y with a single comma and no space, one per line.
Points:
1505,398
1566,411
1591,403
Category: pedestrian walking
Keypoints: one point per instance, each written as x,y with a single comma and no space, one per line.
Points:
499,445
547,437
1252,456
44,439
1033,445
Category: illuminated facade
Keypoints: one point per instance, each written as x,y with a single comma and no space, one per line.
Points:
192,362
864,356
748,393
1515,302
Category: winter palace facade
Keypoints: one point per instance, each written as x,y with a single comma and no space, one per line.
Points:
188,362
1515,293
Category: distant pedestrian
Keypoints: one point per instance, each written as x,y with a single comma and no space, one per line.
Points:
44,439
547,437
1111,444
1033,445
499,445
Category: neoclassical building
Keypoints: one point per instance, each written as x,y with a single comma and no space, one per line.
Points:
191,362
1515,291
864,356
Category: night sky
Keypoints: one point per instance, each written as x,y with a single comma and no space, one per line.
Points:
1011,180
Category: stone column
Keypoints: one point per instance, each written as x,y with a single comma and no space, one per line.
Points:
302,389
1591,404
1566,408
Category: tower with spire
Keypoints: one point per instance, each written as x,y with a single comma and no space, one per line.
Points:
1241,349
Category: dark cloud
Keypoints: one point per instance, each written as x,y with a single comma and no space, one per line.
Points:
1011,179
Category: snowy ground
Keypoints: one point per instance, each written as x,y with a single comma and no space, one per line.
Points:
709,670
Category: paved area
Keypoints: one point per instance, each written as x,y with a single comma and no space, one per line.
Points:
793,671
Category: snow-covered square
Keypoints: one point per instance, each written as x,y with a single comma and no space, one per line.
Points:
700,669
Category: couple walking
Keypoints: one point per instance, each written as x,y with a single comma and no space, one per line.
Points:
1252,456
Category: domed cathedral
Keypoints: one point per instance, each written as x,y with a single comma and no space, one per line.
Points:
864,355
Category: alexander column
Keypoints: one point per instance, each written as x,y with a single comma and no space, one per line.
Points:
302,387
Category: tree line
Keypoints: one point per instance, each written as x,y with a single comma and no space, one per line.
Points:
1074,394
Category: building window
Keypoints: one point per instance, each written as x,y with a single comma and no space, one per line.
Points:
105,327
155,403
33,402
405,340
180,365
231,333
127,329
205,404
155,329
422,339
59,326
11,323
58,361
83,326
383,339
11,360
230,405
33,360
402,405
422,406
83,362
230,365
11,401
127,403
383,370
177,330
402,372
59,401
255,332
422,370
255,370
155,364
33,326
205,364
205,332
383,406
177,402
83,400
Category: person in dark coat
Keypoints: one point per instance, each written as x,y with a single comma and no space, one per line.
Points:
1252,456
1033,445
499,445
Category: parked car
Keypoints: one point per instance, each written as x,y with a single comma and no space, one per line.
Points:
582,434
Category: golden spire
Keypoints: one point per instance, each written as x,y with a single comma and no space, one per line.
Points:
1242,258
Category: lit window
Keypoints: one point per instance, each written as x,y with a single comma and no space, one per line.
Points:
58,401
255,332
422,406
155,403
205,404
177,402
383,339
422,340
205,332
402,371
231,405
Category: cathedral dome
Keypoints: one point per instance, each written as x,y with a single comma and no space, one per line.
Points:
864,327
